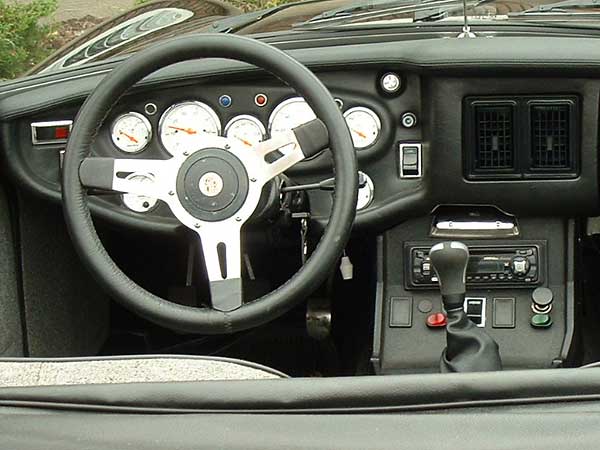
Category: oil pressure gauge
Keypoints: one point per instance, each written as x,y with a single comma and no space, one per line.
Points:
364,126
131,132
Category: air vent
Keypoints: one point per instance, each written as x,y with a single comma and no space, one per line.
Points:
550,137
521,137
494,146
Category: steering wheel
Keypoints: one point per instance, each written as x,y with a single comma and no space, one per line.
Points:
212,190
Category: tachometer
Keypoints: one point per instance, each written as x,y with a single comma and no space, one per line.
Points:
290,114
131,132
246,129
364,126
183,125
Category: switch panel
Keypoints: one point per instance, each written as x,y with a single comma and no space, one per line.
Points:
475,309
410,160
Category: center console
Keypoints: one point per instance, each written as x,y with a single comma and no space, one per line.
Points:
520,289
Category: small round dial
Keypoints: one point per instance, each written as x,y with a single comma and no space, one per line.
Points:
246,129
139,203
364,126
183,125
290,114
131,132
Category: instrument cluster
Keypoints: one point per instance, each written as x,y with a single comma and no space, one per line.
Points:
182,125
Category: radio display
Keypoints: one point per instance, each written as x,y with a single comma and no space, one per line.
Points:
478,264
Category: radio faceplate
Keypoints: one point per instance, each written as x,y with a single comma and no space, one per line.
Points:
489,266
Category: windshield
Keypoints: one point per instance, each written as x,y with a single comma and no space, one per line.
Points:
50,35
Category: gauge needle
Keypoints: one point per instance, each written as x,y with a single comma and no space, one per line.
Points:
185,130
128,136
248,143
360,133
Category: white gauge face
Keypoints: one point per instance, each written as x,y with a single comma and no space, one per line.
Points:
131,132
364,126
183,125
246,129
391,82
139,203
290,114
365,193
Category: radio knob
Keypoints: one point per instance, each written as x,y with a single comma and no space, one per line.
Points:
519,266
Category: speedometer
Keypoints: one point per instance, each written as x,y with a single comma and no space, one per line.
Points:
290,114
364,126
183,125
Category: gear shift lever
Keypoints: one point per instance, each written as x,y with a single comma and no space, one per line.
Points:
468,348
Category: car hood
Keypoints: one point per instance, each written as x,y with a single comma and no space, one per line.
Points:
159,20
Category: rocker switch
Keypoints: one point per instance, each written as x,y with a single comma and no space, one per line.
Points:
410,160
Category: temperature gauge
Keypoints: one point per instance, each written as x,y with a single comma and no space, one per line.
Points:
246,129
364,126
131,132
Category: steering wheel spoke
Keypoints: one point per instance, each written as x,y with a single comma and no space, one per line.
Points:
221,246
115,174
295,145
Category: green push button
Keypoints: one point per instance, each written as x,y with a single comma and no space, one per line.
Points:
541,321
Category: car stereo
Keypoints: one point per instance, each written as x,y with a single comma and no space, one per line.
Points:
489,266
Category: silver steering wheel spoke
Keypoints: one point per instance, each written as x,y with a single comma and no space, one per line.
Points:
221,246
295,145
112,174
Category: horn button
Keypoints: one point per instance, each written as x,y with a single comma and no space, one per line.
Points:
212,184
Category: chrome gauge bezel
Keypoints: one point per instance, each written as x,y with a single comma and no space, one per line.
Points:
210,111
375,118
255,121
144,121
284,104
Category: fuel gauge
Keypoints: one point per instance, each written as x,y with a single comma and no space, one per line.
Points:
131,132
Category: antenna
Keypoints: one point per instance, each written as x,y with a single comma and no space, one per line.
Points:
466,31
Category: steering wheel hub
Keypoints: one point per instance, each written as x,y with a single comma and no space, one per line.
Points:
212,184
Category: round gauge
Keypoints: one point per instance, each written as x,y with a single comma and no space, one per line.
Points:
182,126
139,203
290,114
246,129
364,126
366,192
131,132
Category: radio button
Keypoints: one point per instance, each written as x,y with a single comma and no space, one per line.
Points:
520,266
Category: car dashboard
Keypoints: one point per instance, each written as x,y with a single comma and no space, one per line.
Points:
486,140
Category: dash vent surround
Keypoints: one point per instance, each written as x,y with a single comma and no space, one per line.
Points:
521,137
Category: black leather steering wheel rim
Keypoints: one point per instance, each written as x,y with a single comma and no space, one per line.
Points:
88,245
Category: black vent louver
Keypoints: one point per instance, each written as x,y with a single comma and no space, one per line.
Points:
494,140
550,137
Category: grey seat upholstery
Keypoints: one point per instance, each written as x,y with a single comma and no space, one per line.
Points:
127,369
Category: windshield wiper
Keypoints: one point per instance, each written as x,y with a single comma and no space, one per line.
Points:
558,7
375,9
235,23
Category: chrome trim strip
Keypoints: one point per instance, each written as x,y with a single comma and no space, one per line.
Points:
52,123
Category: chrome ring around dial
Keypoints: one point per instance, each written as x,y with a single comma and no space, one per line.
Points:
131,132
182,125
364,125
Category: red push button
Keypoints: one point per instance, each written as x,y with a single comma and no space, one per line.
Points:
436,320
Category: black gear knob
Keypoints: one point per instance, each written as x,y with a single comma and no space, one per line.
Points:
449,260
